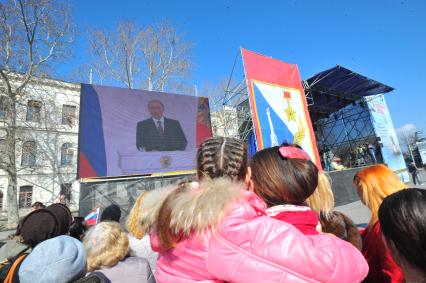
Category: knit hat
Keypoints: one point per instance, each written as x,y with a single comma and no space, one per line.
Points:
63,214
61,259
111,213
38,226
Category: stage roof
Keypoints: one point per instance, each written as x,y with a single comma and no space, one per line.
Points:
337,87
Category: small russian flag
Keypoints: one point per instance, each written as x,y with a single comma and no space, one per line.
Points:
92,218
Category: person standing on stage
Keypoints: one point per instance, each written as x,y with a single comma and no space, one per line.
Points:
326,158
360,151
159,133
371,149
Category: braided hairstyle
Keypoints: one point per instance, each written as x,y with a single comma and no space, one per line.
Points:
220,157
216,157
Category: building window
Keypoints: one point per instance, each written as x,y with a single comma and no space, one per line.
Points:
2,107
25,196
1,198
66,154
68,115
28,154
65,194
33,111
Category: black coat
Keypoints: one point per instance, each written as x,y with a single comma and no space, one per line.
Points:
148,137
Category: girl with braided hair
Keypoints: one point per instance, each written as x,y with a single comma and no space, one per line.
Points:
216,230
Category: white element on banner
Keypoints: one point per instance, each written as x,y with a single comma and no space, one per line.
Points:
274,138
287,104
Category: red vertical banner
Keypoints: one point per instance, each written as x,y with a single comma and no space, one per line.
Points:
278,104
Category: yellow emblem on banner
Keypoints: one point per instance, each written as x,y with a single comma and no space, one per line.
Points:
291,114
166,161
299,136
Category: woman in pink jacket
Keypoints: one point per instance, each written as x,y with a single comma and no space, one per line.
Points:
286,194
217,231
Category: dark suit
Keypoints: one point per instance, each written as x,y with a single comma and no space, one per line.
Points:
149,138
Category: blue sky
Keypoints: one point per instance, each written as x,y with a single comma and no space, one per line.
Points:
384,40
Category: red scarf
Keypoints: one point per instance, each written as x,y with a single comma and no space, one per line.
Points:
301,217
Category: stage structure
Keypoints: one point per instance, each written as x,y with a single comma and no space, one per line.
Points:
348,112
352,121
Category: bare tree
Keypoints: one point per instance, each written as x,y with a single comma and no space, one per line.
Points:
141,57
34,34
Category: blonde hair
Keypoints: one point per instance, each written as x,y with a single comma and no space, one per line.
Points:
376,183
106,244
133,222
322,200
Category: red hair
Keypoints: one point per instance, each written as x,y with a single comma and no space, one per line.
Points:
376,183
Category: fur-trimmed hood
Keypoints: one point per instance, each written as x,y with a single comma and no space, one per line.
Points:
195,207
150,207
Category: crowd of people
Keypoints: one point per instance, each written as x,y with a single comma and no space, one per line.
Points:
267,219
363,154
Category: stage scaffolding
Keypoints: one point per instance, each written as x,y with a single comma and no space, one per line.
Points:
344,133
231,113
338,106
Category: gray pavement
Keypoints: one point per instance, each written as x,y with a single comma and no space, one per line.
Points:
5,234
360,214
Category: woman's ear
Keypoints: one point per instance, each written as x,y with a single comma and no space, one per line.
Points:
248,175
248,180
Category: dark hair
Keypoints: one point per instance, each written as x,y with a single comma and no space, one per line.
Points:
77,228
402,217
279,180
222,157
156,100
111,213
38,205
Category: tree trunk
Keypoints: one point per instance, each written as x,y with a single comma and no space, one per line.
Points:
12,192
12,204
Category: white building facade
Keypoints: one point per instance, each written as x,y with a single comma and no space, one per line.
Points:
46,144
225,122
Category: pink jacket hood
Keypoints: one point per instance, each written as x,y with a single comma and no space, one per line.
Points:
237,242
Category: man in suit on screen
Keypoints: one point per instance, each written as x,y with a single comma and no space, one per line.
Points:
159,133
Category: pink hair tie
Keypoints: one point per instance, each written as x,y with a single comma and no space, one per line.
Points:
291,152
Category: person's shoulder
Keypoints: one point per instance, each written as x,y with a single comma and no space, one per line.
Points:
136,261
144,122
373,232
168,120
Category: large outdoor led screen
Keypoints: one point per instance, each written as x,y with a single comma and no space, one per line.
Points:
124,131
